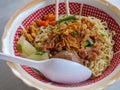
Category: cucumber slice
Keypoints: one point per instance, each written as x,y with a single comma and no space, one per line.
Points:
27,48
39,57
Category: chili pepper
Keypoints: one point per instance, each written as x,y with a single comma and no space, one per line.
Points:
43,23
52,23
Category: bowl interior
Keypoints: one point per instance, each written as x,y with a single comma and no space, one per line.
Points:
87,10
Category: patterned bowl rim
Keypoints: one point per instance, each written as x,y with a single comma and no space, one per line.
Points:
29,80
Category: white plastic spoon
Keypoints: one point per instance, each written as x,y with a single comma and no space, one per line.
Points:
55,69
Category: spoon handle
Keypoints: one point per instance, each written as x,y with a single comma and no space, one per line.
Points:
19,60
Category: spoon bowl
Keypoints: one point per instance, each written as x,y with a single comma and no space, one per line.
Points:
55,69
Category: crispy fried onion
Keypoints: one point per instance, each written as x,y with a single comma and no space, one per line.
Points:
72,37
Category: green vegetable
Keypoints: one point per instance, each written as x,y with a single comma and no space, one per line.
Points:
86,43
52,28
102,34
38,57
72,20
28,51
89,43
19,48
65,19
75,33
40,53
66,22
54,52
27,48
